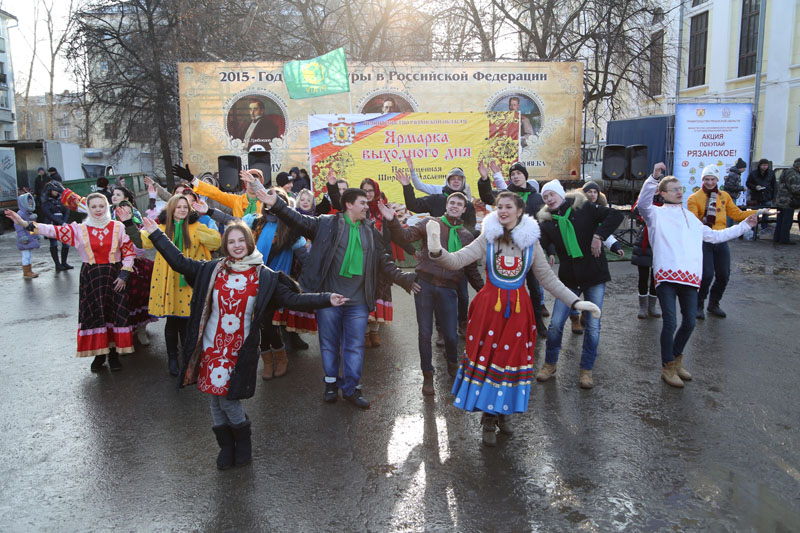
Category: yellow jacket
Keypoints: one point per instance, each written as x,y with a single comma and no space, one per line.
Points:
237,202
725,207
167,297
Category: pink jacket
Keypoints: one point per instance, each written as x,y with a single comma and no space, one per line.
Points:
77,235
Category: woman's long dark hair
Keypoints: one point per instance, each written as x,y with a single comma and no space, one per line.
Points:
285,236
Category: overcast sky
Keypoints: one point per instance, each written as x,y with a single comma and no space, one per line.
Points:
21,45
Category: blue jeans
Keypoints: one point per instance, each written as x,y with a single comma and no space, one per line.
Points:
225,411
716,267
440,301
341,341
591,335
463,300
672,344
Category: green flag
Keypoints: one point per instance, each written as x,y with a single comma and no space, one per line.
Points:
326,74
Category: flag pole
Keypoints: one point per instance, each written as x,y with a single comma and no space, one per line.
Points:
350,98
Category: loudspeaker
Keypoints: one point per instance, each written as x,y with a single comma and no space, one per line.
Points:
261,161
636,156
614,162
229,167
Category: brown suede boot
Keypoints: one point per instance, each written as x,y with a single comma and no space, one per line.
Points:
281,362
375,338
28,273
269,368
585,379
427,384
367,341
670,374
546,372
504,423
576,324
682,372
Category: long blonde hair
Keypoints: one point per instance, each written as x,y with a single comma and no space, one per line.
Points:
166,218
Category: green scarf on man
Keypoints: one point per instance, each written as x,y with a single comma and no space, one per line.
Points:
353,262
568,234
453,240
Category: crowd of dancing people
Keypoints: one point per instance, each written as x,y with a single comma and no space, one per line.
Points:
239,276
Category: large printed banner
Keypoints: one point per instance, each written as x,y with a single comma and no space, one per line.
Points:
228,108
710,134
375,145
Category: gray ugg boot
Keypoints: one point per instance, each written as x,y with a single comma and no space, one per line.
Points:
652,310
642,307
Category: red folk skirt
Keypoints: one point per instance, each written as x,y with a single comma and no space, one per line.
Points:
103,316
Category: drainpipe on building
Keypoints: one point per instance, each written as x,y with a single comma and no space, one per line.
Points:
762,17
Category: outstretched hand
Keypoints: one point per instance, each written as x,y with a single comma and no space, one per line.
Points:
183,172
483,170
267,197
123,213
246,178
585,305
658,169
752,220
433,229
338,300
386,211
495,167
200,206
410,163
149,225
15,217
148,181
402,177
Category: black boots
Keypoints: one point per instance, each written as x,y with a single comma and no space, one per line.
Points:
296,342
242,445
54,255
98,362
113,361
172,364
715,309
235,446
226,449
64,254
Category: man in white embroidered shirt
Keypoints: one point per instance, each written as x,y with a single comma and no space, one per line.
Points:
677,237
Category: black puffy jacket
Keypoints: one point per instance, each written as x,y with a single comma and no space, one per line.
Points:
532,205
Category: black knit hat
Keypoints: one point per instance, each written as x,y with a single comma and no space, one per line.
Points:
740,163
591,185
282,179
518,166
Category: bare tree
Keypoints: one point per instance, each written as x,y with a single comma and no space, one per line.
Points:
23,133
56,39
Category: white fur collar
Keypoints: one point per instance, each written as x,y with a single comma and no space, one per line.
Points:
526,233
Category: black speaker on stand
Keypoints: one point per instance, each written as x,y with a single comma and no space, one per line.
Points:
614,162
636,156
229,167
261,160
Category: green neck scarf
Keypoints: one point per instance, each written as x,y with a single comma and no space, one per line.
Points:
568,234
177,240
453,240
251,206
524,195
353,262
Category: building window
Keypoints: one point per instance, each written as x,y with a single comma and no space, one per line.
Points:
696,3
7,135
110,130
63,133
39,134
39,116
698,39
4,99
656,63
748,38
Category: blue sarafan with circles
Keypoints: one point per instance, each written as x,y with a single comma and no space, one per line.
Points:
496,372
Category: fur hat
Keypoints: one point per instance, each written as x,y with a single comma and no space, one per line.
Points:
554,186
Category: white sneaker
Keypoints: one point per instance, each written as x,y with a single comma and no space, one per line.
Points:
141,336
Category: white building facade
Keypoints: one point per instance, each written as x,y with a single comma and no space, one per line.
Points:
719,46
8,126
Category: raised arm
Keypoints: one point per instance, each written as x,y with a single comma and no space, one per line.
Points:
645,202
722,235
174,257
306,225
287,294
456,260
427,188
227,199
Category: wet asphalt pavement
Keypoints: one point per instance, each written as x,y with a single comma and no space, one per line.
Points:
126,451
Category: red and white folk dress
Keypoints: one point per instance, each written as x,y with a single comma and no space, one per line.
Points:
229,322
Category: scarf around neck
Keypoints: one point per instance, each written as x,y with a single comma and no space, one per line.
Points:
245,263
177,240
453,240
97,222
568,234
711,206
251,206
353,262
